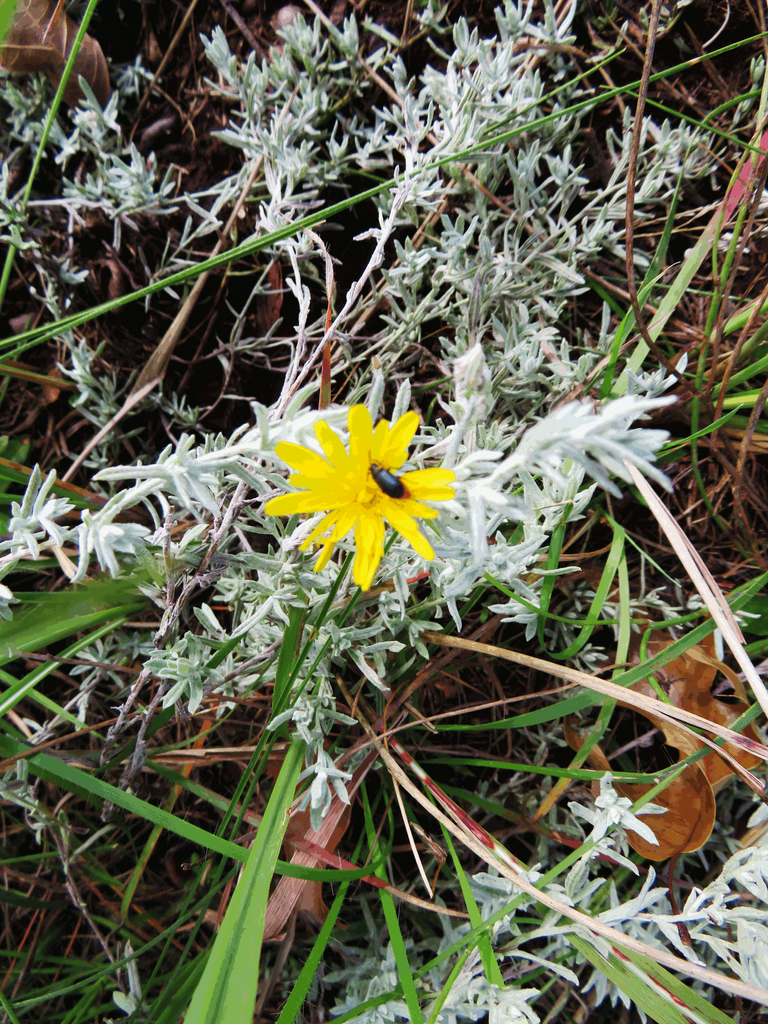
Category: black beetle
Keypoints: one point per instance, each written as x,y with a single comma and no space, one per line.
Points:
390,484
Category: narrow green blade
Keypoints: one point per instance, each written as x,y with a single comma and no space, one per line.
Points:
227,991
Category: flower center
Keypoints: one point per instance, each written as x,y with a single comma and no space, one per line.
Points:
369,493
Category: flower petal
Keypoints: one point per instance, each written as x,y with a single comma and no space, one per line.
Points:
306,461
401,434
321,527
407,528
300,501
394,449
285,505
335,489
369,540
324,556
432,476
332,446
348,516
417,510
379,440
360,432
429,484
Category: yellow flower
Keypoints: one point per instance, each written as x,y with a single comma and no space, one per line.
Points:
343,485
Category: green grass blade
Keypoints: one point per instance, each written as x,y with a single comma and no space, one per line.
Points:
51,617
652,1000
7,1008
439,1003
548,584
490,963
227,991
691,265
177,996
678,989
288,659
612,562
87,786
405,974
401,957
7,12
300,990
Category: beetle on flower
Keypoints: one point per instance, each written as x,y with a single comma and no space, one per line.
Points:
357,488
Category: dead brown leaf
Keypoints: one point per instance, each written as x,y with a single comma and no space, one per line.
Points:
292,893
50,392
41,38
270,304
311,893
687,682
690,798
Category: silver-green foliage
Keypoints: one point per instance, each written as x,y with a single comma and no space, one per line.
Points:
497,278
